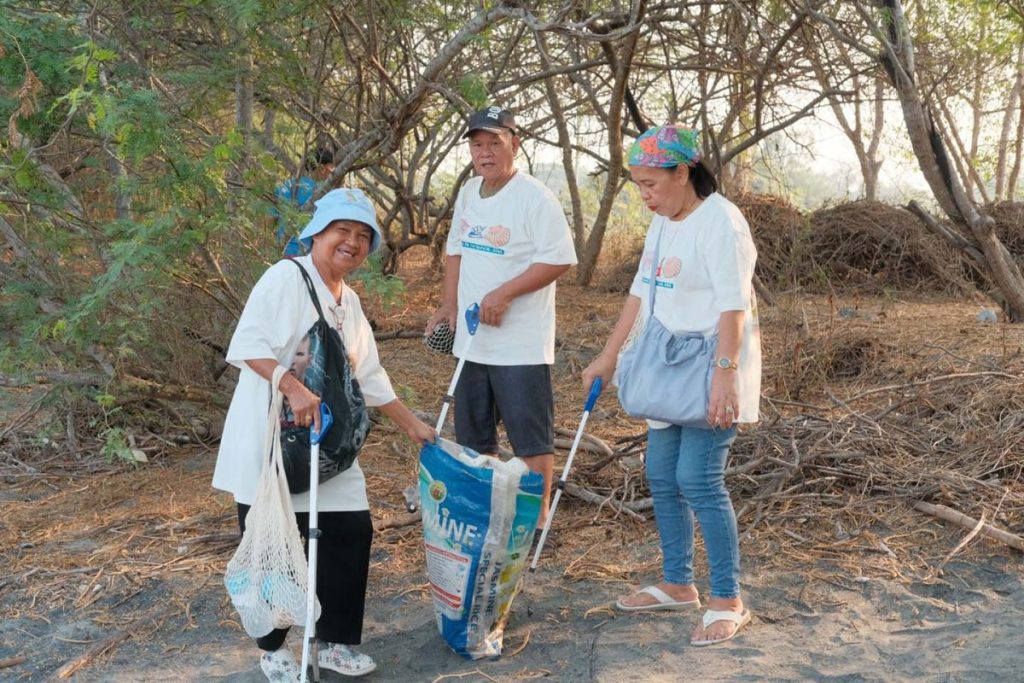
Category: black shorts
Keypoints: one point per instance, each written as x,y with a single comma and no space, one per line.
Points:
518,395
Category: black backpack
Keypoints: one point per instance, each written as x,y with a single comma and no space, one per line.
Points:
326,371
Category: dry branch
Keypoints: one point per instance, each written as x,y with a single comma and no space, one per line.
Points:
397,521
69,669
950,515
631,508
12,661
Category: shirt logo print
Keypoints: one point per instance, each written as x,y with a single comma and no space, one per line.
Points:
670,267
667,269
498,235
495,236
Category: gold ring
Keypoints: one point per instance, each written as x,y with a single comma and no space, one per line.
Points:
728,409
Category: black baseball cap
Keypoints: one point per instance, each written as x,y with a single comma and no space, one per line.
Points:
493,120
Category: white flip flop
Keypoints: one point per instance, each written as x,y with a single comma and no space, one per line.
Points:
711,616
664,602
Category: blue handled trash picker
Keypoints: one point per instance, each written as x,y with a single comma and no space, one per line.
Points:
472,322
309,631
595,391
472,316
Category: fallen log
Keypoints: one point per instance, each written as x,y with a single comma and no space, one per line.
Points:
632,508
588,442
397,521
398,334
566,444
12,661
950,515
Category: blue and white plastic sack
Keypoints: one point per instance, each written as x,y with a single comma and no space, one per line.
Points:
479,518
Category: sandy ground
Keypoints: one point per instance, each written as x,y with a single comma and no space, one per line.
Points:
813,624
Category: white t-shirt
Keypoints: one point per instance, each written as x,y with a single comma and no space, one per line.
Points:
276,317
498,238
706,267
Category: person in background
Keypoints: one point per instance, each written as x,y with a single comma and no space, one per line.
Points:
704,279
508,243
297,192
270,333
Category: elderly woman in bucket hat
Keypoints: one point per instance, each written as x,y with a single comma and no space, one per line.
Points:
277,315
703,284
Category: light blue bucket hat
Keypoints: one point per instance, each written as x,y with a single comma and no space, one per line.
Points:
342,204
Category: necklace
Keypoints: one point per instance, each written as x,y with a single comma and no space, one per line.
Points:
687,210
486,192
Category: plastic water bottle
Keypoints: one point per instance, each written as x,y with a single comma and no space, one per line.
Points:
987,315
238,588
412,497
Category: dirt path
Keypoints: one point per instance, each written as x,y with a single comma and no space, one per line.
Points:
962,628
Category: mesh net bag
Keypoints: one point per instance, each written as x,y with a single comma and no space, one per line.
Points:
442,339
266,577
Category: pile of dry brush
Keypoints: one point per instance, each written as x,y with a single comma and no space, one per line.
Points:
866,245
854,433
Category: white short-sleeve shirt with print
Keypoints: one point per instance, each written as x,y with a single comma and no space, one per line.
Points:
705,268
498,238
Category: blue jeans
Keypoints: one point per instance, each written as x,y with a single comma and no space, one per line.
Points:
686,473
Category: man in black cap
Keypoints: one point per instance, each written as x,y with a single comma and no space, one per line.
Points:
508,243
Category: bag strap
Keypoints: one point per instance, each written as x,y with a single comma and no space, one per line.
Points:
311,289
316,302
654,267
273,434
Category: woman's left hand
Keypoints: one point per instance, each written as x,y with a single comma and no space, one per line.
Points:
724,405
421,432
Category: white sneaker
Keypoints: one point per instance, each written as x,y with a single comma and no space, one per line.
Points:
279,666
345,660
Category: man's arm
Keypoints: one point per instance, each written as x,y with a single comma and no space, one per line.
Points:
497,301
448,310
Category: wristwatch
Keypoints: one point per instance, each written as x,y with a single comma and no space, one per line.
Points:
726,364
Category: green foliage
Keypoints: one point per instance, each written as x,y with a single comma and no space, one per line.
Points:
34,73
407,394
473,87
387,290
116,447
114,273
105,401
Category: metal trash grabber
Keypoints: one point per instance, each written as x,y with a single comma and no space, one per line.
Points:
412,492
309,631
472,322
595,391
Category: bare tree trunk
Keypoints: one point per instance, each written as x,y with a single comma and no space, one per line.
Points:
1003,146
1018,151
928,146
244,96
962,155
874,164
564,142
588,261
977,111
867,155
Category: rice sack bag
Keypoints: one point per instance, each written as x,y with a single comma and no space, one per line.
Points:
479,518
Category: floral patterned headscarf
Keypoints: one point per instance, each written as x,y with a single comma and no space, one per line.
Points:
666,146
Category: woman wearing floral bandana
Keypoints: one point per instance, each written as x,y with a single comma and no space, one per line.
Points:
703,282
